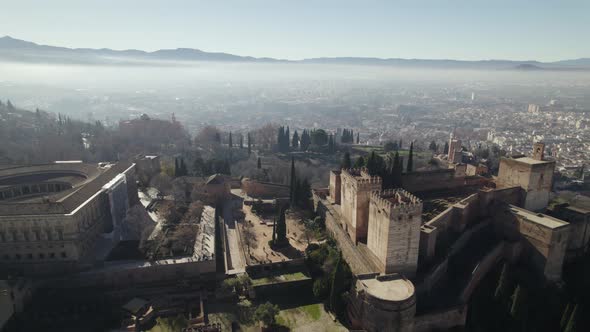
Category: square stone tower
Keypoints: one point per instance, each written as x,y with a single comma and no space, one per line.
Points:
539,151
335,186
395,217
534,175
356,188
454,155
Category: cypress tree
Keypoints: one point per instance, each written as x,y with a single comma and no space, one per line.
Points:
295,141
287,140
230,141
258,163
241,141
503,287
292,185
249,144
396,177
566,316
446,148
336,281
519,304
358,139
281,227
432,146
372,166
572,324
176,167
400,144
346,163
360,162
274,231
410,165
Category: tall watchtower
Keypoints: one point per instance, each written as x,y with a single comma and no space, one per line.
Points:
395,217
356,187
539,151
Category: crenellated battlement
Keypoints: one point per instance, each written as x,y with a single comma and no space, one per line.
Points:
396,200
362,178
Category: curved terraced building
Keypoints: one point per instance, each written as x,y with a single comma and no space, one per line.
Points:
63,216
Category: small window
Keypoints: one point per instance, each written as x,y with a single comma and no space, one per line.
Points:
41,256
30,256
18,256
51,255
63,254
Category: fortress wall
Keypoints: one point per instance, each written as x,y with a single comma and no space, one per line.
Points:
258,189
444,179
422,181
441,320
435,276
467,210
357,262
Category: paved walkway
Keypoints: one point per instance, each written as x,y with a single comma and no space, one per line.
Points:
236,264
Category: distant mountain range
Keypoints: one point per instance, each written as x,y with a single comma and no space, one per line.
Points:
17,50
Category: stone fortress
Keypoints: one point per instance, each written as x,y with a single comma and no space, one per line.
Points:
416,263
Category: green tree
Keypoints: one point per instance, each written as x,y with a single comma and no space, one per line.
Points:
266,313
390,146
320,288
319,137
230,143
358,138
249,144
360,162
519,304
259,163
503,288
338,285
292,184
170,324
410,164
295,141
346,162
572,324
372,164
281,228
241,141
305,140
396,171
432,147
566,316
302,193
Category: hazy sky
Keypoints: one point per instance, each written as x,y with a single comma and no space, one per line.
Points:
453,29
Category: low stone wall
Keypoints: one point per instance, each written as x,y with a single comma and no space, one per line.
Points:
137,273
285,288
441,320
257,189
262,270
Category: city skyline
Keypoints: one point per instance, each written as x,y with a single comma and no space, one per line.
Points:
428,30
